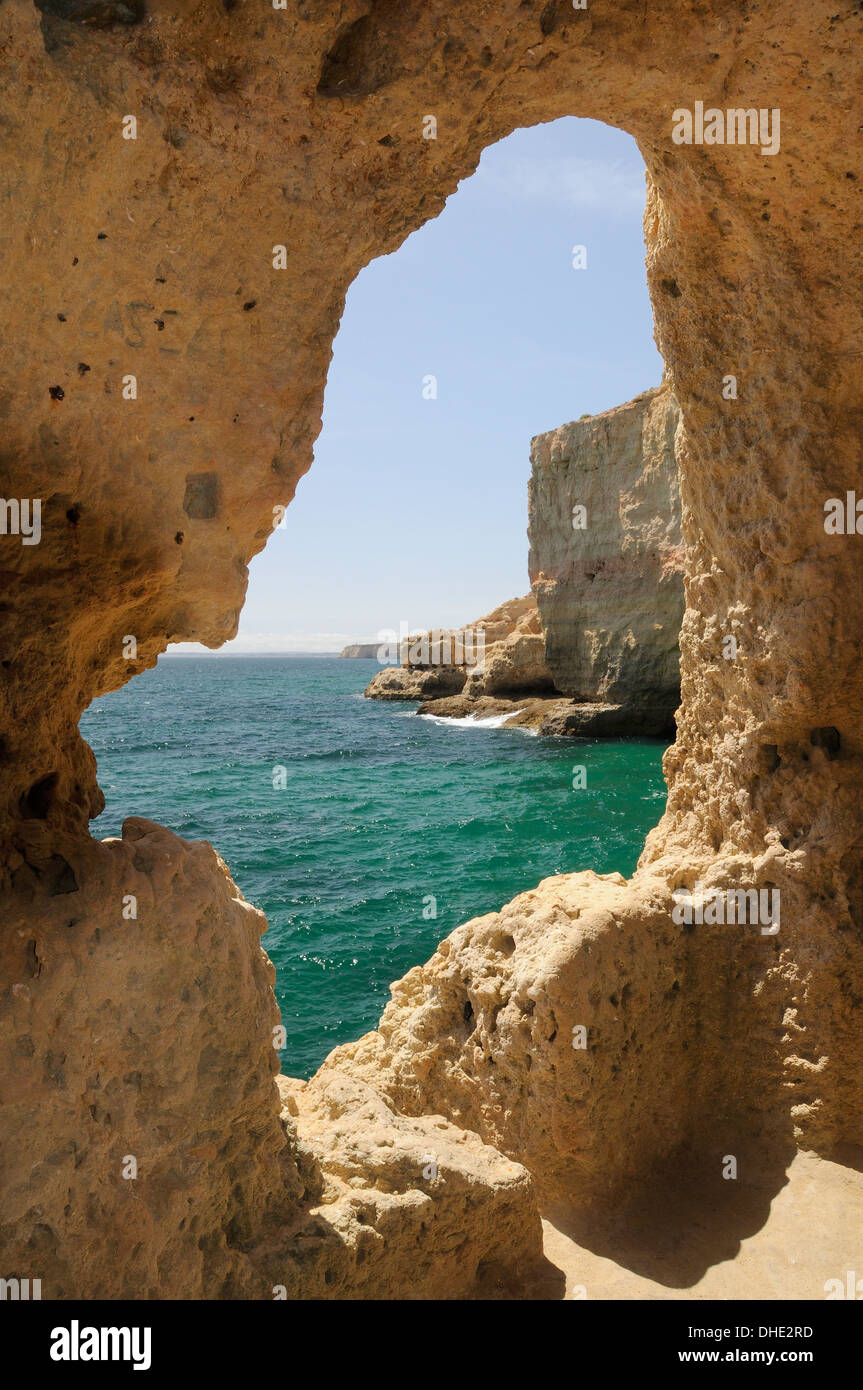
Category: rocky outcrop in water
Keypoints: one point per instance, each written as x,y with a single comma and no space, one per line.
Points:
505,654
606,559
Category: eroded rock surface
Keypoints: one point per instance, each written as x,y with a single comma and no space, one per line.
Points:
504,654
152,1125
601,623
606,557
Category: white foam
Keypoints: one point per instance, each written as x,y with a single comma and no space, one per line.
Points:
474,721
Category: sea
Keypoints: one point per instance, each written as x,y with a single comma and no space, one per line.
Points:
365,832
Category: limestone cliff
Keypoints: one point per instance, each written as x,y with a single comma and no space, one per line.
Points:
606,557
361,651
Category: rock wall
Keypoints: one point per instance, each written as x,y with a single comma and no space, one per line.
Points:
277,152
147,1152
609,578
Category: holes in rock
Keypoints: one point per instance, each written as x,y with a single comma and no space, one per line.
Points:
33,964
57,876
225,79
671,287
344,71
37,802
549,19
826,738
95,14
56,393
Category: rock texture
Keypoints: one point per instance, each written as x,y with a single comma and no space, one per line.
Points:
302,129
512,660
609,579
234,1193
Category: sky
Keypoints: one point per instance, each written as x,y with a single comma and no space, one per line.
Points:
415,509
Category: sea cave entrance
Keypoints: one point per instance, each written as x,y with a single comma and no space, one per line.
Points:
364,833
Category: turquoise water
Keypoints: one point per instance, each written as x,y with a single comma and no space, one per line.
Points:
381,811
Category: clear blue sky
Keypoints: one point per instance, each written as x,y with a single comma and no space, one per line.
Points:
416,509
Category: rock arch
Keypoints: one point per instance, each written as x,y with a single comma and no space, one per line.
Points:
303,128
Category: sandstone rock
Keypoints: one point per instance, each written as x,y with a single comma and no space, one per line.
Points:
594,719
552,716
413,683
512,659
172,1066
484,1032
611,595
404,1208
514,652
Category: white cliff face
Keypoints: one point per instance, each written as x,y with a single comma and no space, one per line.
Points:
606,556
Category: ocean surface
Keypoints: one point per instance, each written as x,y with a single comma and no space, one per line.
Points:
381,813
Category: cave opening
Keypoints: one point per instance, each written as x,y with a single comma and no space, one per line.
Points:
367,835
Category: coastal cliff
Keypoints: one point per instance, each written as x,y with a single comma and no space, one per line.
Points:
504,651
601,623
361,651
606,558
